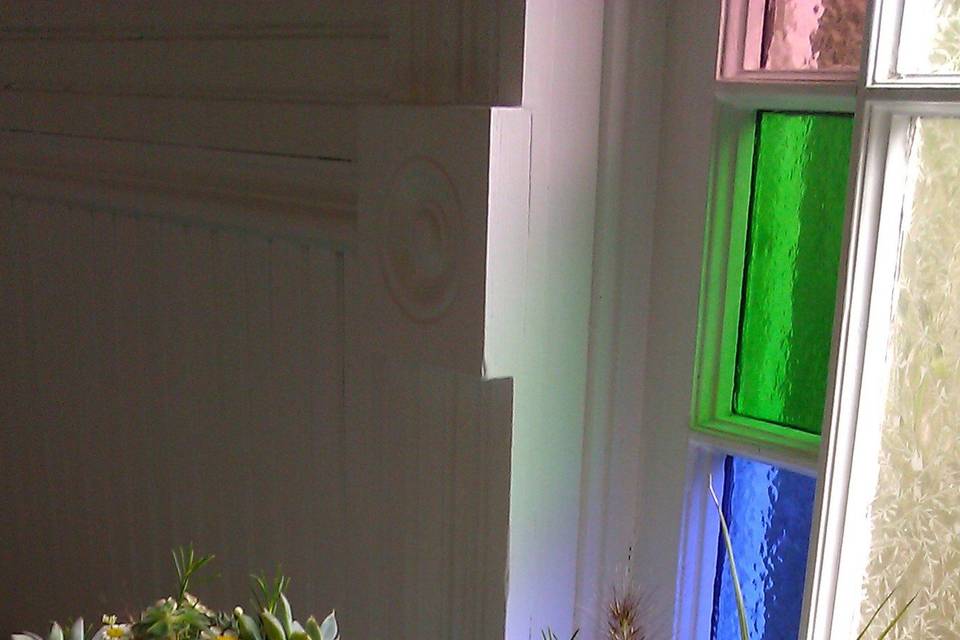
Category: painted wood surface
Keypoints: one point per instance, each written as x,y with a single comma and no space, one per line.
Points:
284,80
197,244
168,380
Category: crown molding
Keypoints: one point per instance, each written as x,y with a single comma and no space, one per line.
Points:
307,199
361,52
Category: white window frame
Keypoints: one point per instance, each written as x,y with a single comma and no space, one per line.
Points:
885,105
739,94
737,20
618,493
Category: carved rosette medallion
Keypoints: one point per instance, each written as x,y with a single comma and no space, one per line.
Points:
420,245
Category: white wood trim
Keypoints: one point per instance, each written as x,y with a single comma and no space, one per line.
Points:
422,231
698,558
272,195
423,51
850,452
272,128
666,377
787,96
634,50
508,237
885,35
478,60
838,441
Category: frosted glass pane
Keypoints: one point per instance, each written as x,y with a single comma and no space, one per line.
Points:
930,37
914,519
792,259
812,35
769,512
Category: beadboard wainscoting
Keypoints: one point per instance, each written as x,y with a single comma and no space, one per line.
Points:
174,379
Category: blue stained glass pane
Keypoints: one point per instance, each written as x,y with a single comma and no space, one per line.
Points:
769,512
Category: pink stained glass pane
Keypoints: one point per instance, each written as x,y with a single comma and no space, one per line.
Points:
806,35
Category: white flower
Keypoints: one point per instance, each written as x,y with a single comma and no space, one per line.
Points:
111,630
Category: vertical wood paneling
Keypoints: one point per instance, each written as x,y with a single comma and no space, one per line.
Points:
14,377
167,382
327,526
443,513
163,383
497,418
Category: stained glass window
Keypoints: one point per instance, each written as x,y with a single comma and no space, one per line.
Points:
806,35
769,513
791,263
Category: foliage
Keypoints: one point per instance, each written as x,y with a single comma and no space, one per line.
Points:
184,617
187,564
266,595
550,635
624,615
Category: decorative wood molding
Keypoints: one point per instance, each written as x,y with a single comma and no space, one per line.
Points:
422,229
298,130
370,30
292,197
436,51
327,63
421,241
463,52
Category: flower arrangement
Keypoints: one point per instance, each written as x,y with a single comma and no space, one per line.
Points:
184,617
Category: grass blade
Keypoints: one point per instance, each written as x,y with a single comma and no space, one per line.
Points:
741,609
879,608
899,615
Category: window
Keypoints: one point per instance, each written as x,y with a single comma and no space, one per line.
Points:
828,371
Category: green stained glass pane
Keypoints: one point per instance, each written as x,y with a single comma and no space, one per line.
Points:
791,263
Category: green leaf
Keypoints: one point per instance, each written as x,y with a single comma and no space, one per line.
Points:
76,631
271,626
187,564
328,629
741,609
248,628
56,633
159,628
313,629
299,635
284,614
193,618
